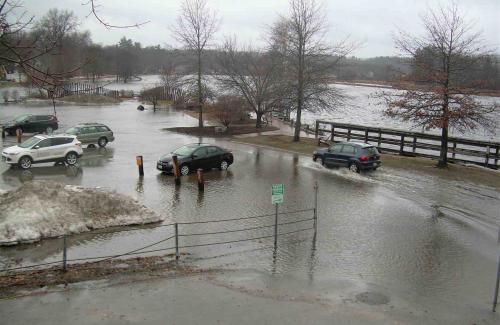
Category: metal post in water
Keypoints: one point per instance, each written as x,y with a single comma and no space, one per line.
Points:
495,297
201,180
140,164
276,228
19,134
65,253
176,241
177,174
315,208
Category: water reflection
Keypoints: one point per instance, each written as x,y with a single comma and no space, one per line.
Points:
96,157
15,176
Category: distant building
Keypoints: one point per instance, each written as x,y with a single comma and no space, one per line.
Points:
12,75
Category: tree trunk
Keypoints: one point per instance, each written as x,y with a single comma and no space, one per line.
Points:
300,91
443,155
200,95
258,122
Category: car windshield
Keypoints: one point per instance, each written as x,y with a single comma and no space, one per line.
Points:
30,142
73,131
371,151
21,118
185,150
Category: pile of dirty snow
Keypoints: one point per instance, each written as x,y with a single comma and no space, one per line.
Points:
42,209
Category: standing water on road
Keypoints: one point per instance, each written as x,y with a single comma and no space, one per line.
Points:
409,234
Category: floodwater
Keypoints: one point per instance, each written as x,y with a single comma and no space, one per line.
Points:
407,234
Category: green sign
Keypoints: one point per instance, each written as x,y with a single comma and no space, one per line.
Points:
277,193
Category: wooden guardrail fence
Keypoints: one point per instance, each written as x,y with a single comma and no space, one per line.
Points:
485,153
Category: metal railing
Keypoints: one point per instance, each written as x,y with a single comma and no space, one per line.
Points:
179,234
485,153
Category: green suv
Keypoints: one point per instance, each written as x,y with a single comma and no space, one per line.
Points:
91,133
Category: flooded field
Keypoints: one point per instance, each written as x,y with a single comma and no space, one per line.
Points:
408,234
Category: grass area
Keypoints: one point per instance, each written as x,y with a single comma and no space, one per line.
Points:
469,173
90,99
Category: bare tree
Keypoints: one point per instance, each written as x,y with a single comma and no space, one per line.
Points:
452,47
230,109
153,96
195,28
25,50
255,75
310,59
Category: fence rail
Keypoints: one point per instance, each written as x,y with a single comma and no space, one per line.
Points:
485,153
179,234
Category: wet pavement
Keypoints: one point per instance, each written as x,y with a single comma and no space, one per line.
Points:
400,234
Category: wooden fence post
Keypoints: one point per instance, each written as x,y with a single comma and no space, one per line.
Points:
414,149
401,148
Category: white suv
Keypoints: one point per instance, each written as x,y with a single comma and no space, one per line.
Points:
44,148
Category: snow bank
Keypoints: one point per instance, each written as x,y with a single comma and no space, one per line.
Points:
42,209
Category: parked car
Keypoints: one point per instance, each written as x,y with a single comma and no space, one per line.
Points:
194,156
44,148
91,133
30,123
354,155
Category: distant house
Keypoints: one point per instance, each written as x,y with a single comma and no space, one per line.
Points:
12,75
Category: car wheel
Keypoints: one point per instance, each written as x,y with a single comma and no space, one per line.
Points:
49,130
102,142
184,170
353,167
71,158
25,162
223,165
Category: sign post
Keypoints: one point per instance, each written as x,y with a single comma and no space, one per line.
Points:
277,192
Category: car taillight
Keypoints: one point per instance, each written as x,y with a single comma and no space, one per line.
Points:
364,158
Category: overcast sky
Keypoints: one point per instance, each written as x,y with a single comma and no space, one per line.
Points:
370,22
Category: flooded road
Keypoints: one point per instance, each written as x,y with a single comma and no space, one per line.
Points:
425,239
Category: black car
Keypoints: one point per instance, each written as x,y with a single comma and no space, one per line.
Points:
354,155
30,123
194,156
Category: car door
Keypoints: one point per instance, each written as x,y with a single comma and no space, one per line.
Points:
29,124
332,155
42,150
41,123
348,151
92,134
58,147
83,135
214,156
201,159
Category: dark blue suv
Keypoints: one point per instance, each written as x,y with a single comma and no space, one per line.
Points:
354,155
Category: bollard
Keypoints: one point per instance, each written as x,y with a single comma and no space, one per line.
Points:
19,134
3,133
65,250
176,226
177,173
140,165
201,180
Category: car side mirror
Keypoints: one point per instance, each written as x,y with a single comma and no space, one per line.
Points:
194,156
36,147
